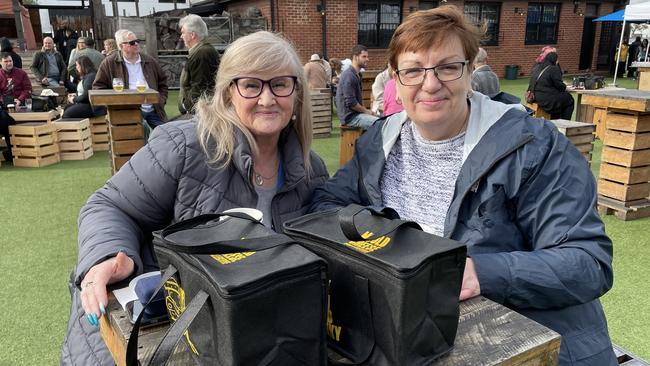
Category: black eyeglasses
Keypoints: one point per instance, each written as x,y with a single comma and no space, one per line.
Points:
132,43
281,86
444,72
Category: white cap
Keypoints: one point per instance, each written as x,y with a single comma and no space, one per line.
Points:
314,57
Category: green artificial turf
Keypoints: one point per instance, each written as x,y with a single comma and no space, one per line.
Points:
39,209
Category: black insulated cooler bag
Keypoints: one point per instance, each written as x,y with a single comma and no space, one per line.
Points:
238,293
393,296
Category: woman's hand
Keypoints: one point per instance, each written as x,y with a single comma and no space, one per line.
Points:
470,287
93,287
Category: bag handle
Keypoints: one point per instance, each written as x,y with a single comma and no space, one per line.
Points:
132,345
221,246
346,221
538,76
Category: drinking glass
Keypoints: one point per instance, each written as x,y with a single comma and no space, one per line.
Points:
118,84
141,86
28,104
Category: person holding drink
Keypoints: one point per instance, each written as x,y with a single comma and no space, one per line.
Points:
131,69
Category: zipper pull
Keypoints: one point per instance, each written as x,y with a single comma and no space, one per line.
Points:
474,187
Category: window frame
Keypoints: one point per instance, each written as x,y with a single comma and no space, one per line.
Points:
541,25
494,40
379,34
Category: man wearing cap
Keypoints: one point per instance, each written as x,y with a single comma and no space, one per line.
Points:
132,67
200,70
316,73
49,67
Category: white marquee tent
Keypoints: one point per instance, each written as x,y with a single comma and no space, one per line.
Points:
638,10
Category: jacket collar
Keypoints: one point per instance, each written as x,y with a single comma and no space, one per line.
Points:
290,152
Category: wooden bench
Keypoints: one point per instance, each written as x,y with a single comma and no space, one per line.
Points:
537,111
488,334
349,136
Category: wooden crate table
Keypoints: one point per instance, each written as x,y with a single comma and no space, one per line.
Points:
73,138
488,334
99,133
593,105
321,112
125,130
644,74
623,182
579,133
23,117
33,144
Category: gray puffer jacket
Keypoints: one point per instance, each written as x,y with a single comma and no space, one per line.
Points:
167,181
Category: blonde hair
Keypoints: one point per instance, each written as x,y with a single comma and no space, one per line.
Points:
264,53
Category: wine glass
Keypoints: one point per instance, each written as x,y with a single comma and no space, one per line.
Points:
141,85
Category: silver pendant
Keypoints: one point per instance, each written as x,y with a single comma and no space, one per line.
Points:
258,179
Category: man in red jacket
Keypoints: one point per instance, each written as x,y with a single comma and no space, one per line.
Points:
14,83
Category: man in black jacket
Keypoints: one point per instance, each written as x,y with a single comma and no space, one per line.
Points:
201,67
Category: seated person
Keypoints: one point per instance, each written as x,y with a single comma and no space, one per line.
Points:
511,187
79,103
48,65
484,80
349,101
392,104
14,89
549,88
247,146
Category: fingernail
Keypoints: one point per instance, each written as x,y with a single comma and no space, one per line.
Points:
90,319
95,321
102,308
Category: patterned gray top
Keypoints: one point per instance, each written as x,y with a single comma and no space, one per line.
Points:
419,177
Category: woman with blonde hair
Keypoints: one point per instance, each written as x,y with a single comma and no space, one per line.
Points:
509,186
247,146
110,46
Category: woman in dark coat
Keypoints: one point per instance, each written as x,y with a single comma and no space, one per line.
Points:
79,106
7,46
550,91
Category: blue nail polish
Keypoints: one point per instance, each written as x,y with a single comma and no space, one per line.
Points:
90,319
102,308
95,321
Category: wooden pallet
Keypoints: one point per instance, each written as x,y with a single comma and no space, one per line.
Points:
46,117
633,210
36,162
101,146
627,358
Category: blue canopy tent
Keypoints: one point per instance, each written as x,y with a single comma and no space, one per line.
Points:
616,16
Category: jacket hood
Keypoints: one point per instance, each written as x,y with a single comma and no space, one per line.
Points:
484,113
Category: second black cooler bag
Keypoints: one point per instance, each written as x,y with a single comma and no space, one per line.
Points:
393,297
240,294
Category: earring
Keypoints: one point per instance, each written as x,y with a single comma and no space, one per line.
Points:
398,101
470,93
293,118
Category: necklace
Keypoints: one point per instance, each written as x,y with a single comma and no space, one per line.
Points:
259,178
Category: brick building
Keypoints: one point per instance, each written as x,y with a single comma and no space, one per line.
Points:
516,30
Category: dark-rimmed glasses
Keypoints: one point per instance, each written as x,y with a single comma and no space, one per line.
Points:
281,86
132,43
444,72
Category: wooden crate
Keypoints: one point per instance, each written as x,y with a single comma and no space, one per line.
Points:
623,174
623,192
321,112
25,117
74,139
628,158
537,111
629,122
573,128
627,140
34,145
367,79
99,133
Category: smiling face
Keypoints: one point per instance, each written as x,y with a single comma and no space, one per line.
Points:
439,109
266,115
48,43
